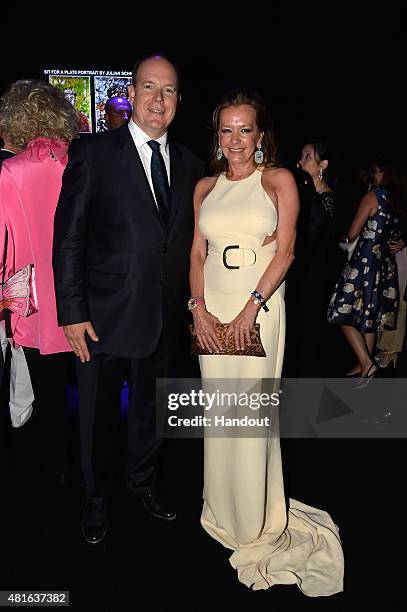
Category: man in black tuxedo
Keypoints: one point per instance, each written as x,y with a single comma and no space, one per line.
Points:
123,232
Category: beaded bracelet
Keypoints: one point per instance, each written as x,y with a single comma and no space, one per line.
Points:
259,299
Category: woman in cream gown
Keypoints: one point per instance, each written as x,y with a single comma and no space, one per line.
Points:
253,205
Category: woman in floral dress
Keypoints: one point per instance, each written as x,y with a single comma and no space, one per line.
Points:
365,299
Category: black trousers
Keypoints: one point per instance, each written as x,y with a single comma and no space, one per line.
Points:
100,382
49,375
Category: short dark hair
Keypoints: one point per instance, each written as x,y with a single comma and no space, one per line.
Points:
161,56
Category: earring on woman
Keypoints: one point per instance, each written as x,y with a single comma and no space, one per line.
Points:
259,155
321,174
219,153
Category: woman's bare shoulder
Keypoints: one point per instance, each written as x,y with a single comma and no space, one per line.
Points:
368,203
204,186
369,199
275,177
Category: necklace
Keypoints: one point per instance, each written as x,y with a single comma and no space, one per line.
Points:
320,186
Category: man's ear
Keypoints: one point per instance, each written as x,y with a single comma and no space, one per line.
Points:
132,92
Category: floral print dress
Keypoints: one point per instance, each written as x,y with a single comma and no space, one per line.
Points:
366,294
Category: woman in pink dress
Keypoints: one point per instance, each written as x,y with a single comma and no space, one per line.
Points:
38,120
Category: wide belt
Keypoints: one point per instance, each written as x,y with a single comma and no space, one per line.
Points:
235,257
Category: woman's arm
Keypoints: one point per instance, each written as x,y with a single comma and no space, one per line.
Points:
398,245
199,245
9,200
280,186
203,320
3,232
367,208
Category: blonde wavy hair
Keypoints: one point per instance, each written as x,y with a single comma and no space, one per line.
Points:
30,109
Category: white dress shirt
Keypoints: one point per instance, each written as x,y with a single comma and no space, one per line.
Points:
141,139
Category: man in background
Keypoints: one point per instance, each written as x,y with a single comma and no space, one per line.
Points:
117,112
7,149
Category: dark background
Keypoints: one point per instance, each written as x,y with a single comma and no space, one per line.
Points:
326,73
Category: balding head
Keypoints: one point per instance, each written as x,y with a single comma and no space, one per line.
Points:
154,95
117,112
149,58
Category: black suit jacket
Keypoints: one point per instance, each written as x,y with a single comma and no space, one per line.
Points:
5,154
114,263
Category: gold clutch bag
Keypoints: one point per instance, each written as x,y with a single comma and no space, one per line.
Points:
254,350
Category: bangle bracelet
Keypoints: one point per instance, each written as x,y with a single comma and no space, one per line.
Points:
259,299
195,301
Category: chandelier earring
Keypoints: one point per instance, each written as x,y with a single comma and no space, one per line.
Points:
219,153
321,174
259,155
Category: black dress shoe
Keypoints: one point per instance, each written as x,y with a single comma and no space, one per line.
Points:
94,520
154,503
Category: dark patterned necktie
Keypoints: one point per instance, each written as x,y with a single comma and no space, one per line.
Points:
160,180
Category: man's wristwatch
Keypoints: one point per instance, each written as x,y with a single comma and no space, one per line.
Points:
194,302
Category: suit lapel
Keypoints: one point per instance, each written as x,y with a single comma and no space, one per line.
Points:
177,171
130,161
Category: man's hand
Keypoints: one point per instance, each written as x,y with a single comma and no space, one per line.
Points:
75,334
